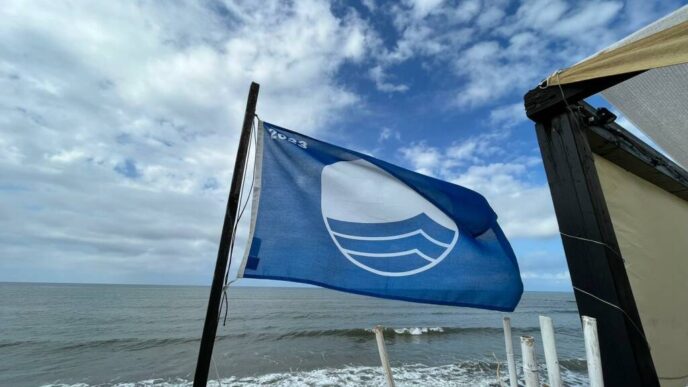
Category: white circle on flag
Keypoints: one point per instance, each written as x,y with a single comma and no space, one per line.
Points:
381,224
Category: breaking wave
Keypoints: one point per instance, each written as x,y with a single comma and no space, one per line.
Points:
267,334
417,331
470,373
391,332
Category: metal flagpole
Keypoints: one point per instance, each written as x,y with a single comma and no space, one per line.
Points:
213,313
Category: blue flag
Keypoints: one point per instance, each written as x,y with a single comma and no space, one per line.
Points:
343,220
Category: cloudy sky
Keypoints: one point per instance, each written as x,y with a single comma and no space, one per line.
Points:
119,120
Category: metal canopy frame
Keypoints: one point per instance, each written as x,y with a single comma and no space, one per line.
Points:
616,144
569,131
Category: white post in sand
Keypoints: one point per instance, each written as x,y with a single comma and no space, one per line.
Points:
530,369
547,330
513,379
380,338
592,352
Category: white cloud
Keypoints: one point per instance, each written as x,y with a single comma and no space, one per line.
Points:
377,74
544,267
67,156
423,158
422,8
417,24
464,150
508,116
434,161
541,14
498,50
388,133
493,70
464,11
370,4
587,18
120,121
639,13
524,208
474,149
490,17
513,52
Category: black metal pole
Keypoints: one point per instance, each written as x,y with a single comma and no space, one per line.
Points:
212,315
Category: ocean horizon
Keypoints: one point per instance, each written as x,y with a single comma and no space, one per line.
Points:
68,334
243,283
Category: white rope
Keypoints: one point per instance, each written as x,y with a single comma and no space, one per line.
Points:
593,241
217,374
674,377
637,328
229,283
545,83
225,300
634,325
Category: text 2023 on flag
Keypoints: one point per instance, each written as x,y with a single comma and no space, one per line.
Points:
336,218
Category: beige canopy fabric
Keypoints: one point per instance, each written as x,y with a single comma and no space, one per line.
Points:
656,101
651,226
663,43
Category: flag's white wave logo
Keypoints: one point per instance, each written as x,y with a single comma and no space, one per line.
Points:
380,224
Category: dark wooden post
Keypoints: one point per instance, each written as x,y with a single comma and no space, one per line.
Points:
598,275
212,315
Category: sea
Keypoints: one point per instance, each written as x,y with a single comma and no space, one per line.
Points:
131,335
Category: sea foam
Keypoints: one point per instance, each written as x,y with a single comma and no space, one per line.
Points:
469,373
417,331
